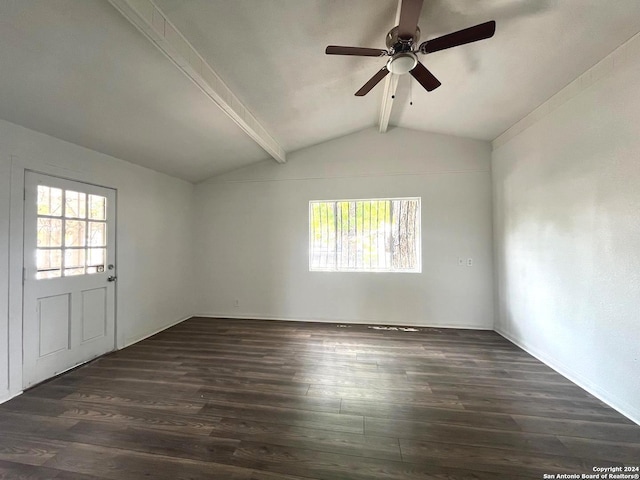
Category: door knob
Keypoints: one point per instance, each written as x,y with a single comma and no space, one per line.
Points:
111,278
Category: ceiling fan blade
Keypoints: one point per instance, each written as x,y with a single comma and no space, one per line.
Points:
461,37
359,51
425,77
372,82
409,16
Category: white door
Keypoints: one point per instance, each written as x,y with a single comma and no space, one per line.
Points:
69,275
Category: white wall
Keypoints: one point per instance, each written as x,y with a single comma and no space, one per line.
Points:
252,233
567,231
5,177
154,237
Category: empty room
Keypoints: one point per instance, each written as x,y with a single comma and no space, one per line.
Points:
319,239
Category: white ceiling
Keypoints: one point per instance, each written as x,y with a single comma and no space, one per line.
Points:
76,69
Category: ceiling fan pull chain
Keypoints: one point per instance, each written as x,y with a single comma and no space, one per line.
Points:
410,92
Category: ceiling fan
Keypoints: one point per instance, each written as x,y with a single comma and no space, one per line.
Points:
402,44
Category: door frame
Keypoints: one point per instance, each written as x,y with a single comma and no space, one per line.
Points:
19,167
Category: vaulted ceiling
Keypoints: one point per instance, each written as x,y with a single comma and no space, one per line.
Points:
80,71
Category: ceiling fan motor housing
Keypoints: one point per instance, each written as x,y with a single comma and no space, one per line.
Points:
396,44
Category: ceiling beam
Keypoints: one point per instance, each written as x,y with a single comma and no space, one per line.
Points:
155,25
390,85
387,101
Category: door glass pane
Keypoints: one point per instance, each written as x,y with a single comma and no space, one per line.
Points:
74,261
47,274
74,233
96,258
97,207
49,201
49,232
68,272
97,234
76,204
48,262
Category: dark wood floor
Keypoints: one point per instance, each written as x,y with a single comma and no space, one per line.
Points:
258,400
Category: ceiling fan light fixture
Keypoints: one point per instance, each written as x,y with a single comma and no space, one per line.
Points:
402,63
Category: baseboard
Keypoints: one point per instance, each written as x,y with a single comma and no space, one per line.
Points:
9,396
627,410
128,342
337,320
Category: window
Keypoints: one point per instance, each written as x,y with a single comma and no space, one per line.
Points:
374,235
72,233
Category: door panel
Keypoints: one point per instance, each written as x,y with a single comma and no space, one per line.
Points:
54,315
69,258
94,313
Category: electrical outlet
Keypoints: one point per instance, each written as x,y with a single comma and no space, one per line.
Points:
469,262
